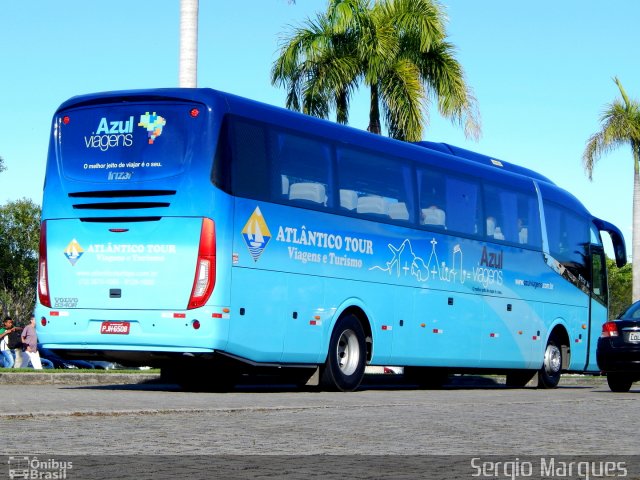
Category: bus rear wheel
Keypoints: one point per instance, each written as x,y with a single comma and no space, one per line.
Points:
549,374
344,367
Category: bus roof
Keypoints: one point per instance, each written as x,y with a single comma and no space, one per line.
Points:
483,159
438,153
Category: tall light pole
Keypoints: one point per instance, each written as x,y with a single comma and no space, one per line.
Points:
188,70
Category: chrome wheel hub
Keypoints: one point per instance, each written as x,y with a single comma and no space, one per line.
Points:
552,360
348,352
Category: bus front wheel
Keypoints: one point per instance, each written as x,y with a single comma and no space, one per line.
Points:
549,374
344,367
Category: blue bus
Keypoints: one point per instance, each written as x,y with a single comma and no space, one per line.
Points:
211,235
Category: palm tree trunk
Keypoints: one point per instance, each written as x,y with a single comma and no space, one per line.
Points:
374,111
188,73
635,235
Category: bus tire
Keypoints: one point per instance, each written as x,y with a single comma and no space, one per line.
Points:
549,374
619,382
519,378
344,367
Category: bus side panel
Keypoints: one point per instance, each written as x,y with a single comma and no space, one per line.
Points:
305,318
436,324
258,302
578,323
507,335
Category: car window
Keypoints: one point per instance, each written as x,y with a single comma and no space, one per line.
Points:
633,312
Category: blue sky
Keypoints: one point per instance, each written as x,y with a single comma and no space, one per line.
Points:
541,71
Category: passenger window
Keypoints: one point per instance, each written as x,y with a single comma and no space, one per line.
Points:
243,155
431,186
372,185
463,201
302,168
448,202
511,216
569,238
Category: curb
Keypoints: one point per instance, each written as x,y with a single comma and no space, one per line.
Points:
76,378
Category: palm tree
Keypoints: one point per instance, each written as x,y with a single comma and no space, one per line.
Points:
188,73
397,48
620,126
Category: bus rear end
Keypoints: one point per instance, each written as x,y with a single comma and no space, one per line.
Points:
129,263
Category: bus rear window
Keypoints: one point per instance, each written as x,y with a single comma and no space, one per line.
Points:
132,142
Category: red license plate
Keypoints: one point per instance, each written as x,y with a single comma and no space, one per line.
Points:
118,328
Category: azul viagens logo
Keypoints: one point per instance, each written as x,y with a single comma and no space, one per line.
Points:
119,133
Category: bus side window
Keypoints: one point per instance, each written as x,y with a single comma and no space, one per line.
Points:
512,216
569,238
462,197
431,187
375,186
501,206
249,158
302,169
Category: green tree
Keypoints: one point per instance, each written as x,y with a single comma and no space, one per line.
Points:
620,126
2,167
397,48
619,280
19,240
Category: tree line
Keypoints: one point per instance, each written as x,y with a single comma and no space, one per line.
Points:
19,241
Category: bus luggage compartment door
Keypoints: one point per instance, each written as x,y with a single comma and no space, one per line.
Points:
124,265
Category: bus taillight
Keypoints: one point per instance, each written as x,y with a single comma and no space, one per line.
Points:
609,329
205,277
43,276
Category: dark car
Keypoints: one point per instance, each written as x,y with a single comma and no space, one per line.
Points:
618,351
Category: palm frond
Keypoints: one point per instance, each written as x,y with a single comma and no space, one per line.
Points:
402,96
422,19
445,78
620,125
397,48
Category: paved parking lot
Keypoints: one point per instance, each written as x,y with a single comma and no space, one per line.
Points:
465,420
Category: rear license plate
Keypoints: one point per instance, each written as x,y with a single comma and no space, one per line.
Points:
634,336
119,328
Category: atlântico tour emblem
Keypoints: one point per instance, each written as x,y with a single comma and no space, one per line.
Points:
256,234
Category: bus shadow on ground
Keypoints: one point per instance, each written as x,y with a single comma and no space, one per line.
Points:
265,384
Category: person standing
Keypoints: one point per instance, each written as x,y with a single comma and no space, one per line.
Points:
30,340
14,344
6,359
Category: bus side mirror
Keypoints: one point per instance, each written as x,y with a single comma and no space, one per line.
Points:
619,247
